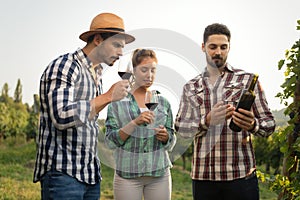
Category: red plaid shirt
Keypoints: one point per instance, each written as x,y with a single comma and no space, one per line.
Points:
219,153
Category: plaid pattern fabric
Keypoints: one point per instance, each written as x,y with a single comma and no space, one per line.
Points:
67,137
141,154
219,153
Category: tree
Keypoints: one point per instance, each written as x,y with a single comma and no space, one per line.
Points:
14,115
18,92
36,103
31,129
4,120
288,184
267,152
4,94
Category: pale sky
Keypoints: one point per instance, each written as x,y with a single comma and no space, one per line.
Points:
34,32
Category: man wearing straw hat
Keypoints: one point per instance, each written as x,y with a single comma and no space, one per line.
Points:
67,164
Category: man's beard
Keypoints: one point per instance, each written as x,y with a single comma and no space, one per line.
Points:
216,63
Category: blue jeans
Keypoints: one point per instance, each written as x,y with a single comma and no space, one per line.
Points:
57,185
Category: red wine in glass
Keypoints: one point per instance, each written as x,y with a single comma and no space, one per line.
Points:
125,68
151,106
151,99
125,75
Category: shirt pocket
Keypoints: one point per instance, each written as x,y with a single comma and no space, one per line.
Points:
232,93
196,99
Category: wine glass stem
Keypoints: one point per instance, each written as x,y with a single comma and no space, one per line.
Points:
130,84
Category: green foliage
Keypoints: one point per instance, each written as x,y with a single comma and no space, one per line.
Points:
4,94
291,187
292,63
16,118
280,118
267,152
287,185
32,127
18,92
16,172
4,120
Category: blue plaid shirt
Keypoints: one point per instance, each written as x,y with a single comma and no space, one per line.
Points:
141,154
67,140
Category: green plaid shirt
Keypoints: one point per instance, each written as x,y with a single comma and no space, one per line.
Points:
141,154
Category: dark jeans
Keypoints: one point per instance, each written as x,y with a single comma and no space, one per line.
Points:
56,185
240,189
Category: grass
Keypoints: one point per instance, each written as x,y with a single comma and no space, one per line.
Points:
182,186
16,173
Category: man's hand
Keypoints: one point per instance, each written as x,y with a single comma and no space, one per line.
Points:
116,92
244,119
219,113
119,90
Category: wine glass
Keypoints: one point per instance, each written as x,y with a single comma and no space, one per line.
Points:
151,99
125,70
151,102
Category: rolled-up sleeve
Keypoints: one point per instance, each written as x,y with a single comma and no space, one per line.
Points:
189,120
61,91
264,120
112,136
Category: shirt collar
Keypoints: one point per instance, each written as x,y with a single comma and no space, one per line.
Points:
84,59
227,68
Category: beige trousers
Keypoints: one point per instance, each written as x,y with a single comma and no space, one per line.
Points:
151,188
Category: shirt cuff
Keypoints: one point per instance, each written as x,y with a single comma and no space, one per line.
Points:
120,141
170,143
256,127
203,126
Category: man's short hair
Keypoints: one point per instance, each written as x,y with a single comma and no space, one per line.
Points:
216,29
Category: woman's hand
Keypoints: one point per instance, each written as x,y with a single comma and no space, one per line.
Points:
145,117
161,134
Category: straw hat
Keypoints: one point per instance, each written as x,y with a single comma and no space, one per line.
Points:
107,22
